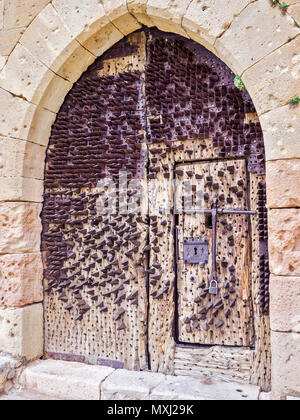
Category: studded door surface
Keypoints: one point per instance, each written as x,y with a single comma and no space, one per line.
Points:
151,105
225,317
95,283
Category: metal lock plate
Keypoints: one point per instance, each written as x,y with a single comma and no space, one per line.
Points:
195,251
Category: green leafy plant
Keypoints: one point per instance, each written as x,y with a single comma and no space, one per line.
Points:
283,6
238,82
295,100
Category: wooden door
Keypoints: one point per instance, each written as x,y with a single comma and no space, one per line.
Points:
114,293
205,318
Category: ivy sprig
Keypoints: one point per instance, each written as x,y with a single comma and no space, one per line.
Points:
238,82
295,100
283,6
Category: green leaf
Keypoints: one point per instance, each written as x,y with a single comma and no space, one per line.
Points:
295,100
296,24
283,6
239,83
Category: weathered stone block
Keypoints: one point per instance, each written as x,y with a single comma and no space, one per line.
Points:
19,158
102,40
48,39
21,278
283,183
285,364
11,157
117,12
34,161
183,388
21,331
138,8
20,227
40,128
17,13
21,189
127,385
10,125
24,75
3,60
294,11
8,39
290,398
208,19
276,78
254,33
86,20
281,127
82,18
65,380
285,304
8,367
167,15
55,93
284,242
1,14
76,63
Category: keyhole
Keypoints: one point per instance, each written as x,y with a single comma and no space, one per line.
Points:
196,251
208,221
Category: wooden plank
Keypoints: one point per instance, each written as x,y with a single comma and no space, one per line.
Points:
106,258
261,363
219,363
199,320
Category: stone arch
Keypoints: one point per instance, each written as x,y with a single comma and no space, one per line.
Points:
269,65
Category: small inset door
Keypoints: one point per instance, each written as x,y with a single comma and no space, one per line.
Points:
213,254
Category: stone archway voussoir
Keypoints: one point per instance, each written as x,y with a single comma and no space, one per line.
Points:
206,20
256,32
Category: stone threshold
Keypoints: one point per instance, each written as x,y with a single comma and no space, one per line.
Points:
52,379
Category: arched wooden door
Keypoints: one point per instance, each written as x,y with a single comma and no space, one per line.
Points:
147,284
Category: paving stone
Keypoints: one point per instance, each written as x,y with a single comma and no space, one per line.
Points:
184,388
290,398
128,385
65,380
265,396
25,395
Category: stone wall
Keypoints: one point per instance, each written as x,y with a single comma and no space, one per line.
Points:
44,48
